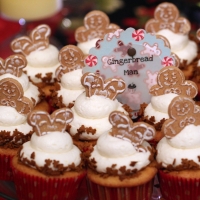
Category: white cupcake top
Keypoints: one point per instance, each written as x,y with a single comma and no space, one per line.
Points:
51,148
122,147
179,149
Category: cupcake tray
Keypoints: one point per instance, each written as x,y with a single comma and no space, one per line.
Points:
7,191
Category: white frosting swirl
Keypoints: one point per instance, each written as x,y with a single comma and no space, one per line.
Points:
10,120
158,107
111,150
70,86
93,112
44,61
185,145
180,45
54,146
86,46
30,90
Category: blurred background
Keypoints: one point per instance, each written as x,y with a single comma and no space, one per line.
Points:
18,17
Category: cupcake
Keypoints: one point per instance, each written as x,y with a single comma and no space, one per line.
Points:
12,67
68,75
178,152
96,25
168,23
48,166
122,165
92,108
42,57
14,129
170,83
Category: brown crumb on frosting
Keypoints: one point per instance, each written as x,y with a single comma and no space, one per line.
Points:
82,129
14,140
51,167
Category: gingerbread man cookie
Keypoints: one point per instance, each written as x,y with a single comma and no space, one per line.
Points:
166,16
14,65
182,112
11,94
43,123
95,85
96,25
172,80
71,58
37,40
124,128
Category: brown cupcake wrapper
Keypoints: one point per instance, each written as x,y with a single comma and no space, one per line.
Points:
53,188
99,192
177,188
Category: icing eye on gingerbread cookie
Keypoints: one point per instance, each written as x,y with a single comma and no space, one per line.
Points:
166,16
95,85
172,80
42,122
124,128
12,95
96,25
14,65
71,58
182,112
37,40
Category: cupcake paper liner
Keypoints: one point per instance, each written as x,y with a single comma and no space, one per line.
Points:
5,168
34,187
176,188
98,192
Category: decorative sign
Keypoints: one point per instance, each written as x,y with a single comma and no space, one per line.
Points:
133,55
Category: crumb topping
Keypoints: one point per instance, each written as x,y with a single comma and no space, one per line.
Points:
15,140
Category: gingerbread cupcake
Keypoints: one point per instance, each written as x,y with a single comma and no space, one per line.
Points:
96,25
68,75
42,57
49,166
168,23
178,151
92,108
170,83
122,165
14,129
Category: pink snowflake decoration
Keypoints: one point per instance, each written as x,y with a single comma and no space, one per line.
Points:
138,35
91,60
167,61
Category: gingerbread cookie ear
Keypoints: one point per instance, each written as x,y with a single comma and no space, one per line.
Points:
14,65
125,129
182,112
43,123
11,94
172,80
166,16
37,40
95,85
71,58
96,25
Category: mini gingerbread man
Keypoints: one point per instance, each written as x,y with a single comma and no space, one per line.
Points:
96,25
124,128
182,112
95,85
37,40
166,16
172,80
71,58
14,65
